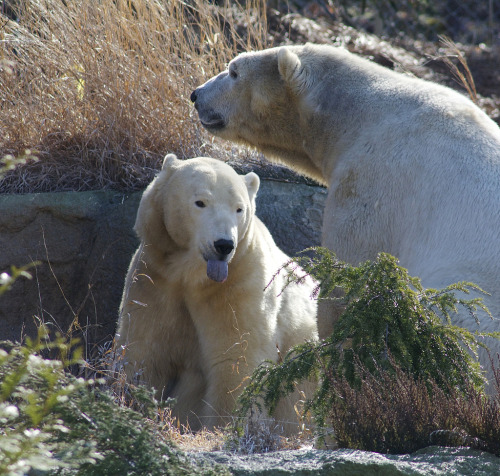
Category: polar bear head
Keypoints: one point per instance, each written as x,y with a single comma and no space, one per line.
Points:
236,103
200,209
261,100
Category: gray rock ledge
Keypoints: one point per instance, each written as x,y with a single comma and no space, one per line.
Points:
433,460
84,242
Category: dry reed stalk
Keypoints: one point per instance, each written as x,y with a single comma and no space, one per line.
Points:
462,75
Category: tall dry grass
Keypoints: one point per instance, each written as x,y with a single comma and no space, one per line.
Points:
101,88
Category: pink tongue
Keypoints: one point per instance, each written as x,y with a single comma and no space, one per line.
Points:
217,270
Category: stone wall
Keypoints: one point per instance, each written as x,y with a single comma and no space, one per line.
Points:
83,242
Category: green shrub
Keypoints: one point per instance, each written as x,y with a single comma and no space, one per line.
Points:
32,392
390,327
52,421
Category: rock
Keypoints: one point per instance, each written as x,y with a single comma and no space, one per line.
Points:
432,460
293,213
84,242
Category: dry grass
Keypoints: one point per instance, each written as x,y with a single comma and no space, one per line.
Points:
392,412
101,89
186,440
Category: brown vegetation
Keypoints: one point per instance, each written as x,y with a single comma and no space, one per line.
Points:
101,89
393,412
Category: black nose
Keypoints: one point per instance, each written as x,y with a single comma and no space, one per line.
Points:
224,247
193,96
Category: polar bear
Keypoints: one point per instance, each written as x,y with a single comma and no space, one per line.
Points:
200,308
412,167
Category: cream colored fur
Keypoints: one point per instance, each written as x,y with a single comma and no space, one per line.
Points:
413,168
192,338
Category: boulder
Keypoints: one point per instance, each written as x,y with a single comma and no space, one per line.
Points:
343,462
83,242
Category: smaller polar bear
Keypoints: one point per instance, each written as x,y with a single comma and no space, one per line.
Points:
412,167
195,318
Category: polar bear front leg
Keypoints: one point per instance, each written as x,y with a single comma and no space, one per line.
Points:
226,380
230,351
229,356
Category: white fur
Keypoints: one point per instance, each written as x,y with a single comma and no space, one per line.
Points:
413,168
192,338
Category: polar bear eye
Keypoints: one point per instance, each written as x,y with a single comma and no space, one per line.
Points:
200,204
233,74
239,210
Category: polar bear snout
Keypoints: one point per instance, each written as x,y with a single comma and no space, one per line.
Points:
209,118
224,247
195,95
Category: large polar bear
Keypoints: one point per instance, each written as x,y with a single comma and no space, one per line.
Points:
195,318
413,168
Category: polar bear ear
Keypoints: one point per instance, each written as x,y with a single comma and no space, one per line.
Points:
149,223
169,161
292,70
170,164
252,182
